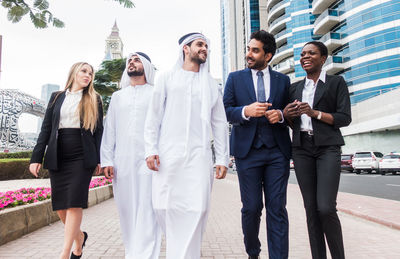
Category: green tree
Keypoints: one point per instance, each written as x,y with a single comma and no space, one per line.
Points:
107,79
38,11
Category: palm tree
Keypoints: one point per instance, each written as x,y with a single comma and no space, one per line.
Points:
107,79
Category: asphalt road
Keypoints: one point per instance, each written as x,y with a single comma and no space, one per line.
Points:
375,185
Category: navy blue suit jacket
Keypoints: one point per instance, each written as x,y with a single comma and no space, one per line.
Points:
239,92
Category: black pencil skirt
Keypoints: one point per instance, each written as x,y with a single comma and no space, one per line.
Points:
70,183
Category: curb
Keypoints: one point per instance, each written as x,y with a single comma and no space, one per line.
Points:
370,218
22,220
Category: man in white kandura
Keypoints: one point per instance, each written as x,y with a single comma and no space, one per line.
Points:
122,157
185,113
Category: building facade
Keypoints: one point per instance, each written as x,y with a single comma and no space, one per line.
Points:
47,90
239,18
363,38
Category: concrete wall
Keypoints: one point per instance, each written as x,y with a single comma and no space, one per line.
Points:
384,142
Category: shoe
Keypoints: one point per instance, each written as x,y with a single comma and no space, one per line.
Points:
73,256
85,237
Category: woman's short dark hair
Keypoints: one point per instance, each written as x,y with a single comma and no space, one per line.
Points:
321,46
267,39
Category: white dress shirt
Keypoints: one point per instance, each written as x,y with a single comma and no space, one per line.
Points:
69,113
308,97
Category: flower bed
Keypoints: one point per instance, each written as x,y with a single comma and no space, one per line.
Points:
99,181
31,195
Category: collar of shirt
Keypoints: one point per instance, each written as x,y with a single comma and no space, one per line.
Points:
76,93
265,71
322,77
265,79
137,86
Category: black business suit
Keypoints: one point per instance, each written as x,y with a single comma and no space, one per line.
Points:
49,133
317,163
71,155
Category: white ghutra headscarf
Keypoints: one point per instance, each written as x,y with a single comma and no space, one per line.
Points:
149,69
208,86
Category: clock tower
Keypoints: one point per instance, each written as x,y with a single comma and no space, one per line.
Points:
114,45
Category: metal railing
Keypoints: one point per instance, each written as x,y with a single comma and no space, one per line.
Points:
329,12
279,20
286,63
278,5
333,59
369,94
331,35
277,36
283,48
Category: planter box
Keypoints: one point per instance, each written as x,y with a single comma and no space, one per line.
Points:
25,219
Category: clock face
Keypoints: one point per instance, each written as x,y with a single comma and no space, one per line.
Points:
114,45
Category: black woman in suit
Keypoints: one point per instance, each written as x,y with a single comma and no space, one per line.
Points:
320,106
72,129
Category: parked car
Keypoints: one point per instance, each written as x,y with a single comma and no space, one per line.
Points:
291,164
366,161
346,162
390,163
232,163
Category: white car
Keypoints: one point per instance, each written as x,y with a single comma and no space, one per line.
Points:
367,161
390,163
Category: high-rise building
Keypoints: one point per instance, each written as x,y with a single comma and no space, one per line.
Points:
47,90
238,19
363,38
1,47
114,46
45,95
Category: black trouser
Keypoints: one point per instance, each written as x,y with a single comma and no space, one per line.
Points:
318,174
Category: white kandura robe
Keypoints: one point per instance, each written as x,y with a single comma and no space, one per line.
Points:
123,148
180,134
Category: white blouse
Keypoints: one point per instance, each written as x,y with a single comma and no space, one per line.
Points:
308,97
69,113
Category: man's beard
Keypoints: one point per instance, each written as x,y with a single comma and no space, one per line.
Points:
196,59
135,73
257,64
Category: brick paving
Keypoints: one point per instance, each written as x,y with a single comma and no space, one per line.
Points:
223,237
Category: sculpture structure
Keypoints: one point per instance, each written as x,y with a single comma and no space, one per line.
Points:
13,103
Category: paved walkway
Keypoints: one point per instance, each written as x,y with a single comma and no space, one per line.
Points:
14,185
223,237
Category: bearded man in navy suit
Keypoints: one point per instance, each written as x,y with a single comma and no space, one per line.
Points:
254,99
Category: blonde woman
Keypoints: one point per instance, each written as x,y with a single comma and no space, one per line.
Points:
71,130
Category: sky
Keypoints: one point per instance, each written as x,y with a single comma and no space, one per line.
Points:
33,57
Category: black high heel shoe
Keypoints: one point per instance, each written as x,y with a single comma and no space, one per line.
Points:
85,237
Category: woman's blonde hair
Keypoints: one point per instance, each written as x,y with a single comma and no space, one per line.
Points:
88,106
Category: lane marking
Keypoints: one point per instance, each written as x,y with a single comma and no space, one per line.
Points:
397,185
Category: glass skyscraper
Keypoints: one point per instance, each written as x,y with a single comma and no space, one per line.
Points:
363,38
254,15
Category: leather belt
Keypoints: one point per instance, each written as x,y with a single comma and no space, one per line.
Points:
308,132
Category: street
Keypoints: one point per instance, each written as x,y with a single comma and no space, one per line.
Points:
374,185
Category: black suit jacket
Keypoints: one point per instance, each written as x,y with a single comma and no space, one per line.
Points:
49,134
330,97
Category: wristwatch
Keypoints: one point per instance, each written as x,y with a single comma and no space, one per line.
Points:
319,115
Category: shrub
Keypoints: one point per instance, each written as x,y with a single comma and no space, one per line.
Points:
12,169
23,154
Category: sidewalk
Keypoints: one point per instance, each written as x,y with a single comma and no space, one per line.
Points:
223,237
